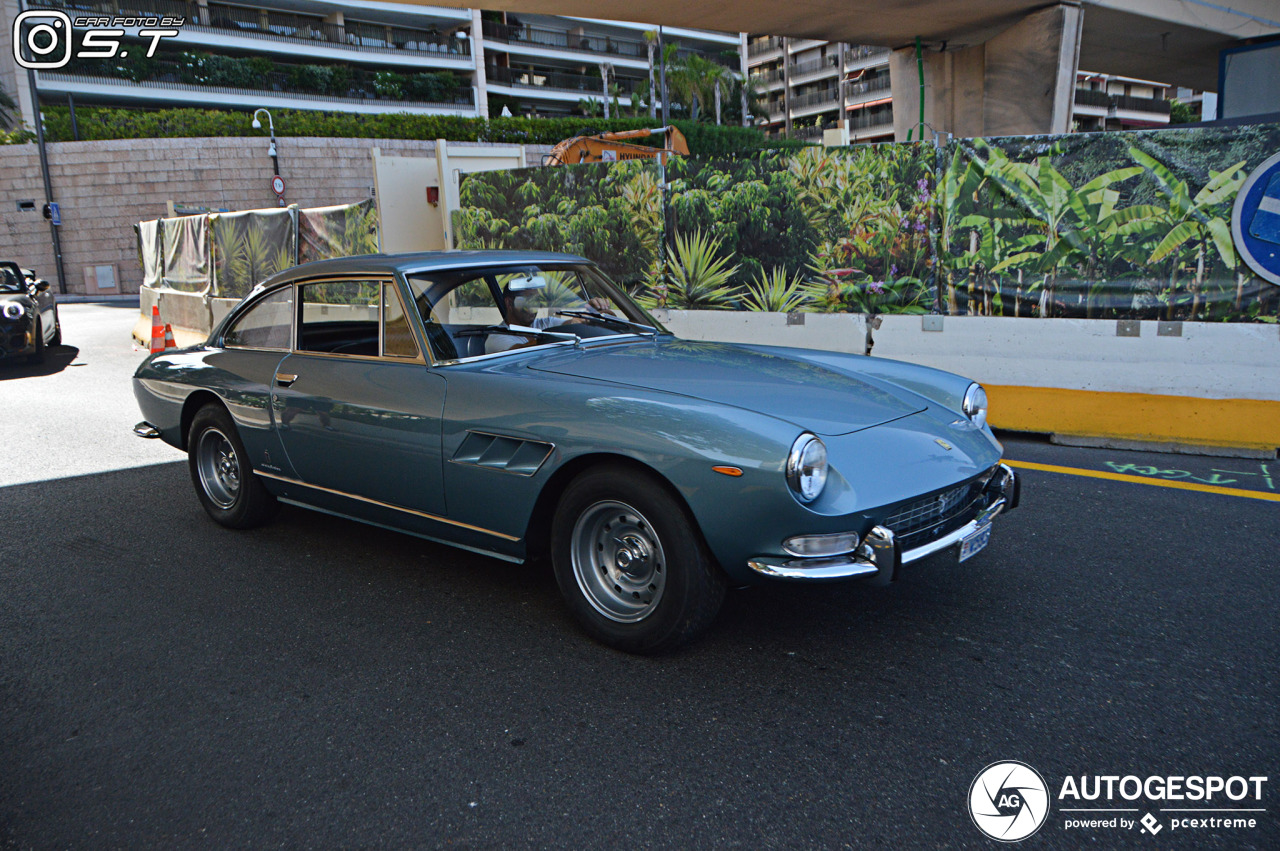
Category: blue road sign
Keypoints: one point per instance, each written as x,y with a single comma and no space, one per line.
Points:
55,215
1255,220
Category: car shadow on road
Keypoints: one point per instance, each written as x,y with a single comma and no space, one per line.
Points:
56,359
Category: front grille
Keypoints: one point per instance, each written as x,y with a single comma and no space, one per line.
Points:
924,520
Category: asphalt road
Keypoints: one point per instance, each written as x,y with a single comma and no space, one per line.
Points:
165,683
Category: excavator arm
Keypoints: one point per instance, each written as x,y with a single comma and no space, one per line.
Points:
610,147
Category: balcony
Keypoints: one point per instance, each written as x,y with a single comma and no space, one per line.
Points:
583,85
863,52
1112,103
800,70
854,91
830,97
768,45
279,27
578,42
865,119
226,80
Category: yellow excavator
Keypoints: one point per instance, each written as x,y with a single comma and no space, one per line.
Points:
609,147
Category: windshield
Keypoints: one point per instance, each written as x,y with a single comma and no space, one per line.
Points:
489,310
11,280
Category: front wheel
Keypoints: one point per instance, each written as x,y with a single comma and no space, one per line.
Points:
220,470
631,564
56,340
38,355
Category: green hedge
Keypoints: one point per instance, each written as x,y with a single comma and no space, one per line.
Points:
106,123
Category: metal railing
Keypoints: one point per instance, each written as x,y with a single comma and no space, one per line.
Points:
276,26
864,51
1142,104
829,63
756,48
862,87
359,86
830,96
1093,97
1090,97
586,84
565,40
862,119
769,77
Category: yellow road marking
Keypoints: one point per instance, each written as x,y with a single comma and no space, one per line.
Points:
1142,480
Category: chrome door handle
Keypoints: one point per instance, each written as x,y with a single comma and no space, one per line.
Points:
284,379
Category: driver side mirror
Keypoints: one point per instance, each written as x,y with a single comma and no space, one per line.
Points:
40,285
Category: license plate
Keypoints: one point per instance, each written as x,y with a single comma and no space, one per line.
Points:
973,543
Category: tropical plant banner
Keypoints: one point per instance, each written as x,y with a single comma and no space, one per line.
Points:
251,246
227,254
1131,225
184,252
338,231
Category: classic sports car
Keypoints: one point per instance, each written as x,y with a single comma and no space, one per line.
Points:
28,314
520,404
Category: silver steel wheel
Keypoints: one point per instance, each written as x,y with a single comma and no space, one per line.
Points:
219,468
618,561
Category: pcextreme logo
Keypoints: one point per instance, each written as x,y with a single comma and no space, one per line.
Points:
1009,801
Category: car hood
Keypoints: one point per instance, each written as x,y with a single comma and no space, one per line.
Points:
21,298
809,395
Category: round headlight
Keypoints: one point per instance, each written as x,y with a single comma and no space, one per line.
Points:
807,467
975,404
12,310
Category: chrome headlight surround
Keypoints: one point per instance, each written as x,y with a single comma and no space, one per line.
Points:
12,310
807,467
975,404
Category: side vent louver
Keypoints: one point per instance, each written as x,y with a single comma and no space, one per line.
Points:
522,457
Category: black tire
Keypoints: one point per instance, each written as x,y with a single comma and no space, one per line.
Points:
222,474
631,564
38,355
57,329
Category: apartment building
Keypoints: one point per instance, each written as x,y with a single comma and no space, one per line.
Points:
807,86
360,57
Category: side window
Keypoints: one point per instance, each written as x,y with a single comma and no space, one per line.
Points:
266,325
339,317
397,338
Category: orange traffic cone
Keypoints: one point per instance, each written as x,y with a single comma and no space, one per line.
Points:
157,330
169,342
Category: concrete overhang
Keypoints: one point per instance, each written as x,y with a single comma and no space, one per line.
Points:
1175,41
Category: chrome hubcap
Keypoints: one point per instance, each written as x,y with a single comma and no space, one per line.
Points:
618,561
219,468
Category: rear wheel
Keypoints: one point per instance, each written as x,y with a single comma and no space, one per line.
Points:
220,470
631,564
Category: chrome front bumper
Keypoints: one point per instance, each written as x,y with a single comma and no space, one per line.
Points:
879,555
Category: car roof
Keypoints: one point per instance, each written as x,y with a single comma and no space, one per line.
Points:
418,261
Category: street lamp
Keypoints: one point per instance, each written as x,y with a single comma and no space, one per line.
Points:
271,151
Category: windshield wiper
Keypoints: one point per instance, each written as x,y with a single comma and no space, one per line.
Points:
611,320
516,329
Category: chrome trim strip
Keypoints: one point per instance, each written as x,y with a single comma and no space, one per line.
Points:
380,504
841,567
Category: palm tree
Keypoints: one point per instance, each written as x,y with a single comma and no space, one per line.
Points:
1192,219
8,110
693,80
